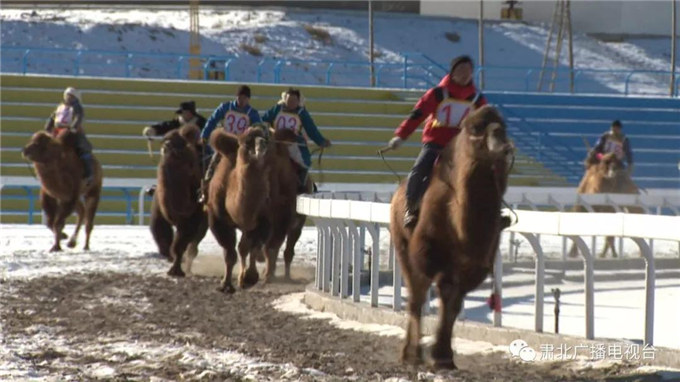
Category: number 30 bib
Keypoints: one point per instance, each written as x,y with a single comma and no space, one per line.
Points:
235,122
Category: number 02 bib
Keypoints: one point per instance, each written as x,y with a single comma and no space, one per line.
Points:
286,120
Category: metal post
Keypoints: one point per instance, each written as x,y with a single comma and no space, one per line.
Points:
547,46
649,289
370,41
674,35
498,283
558,48
556,294
571,48
481,44
588,285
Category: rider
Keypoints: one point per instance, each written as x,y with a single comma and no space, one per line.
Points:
186,114
289,113
69,115
614,141
444,106
237,115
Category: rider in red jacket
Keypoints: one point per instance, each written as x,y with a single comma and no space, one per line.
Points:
444,106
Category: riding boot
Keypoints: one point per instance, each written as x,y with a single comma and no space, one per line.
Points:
87,166
302,180
209,172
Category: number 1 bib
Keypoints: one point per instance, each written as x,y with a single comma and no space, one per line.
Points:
450,112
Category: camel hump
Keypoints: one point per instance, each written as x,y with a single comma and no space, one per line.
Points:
480,118
67,138
191,133
286,135
223,142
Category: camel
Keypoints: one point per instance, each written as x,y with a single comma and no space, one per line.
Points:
175,203
456,238
605,175
63,189
286,223
238,197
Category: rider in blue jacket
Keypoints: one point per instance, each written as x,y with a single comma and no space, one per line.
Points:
289,113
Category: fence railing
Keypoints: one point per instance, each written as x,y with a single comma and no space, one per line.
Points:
342,226
412,71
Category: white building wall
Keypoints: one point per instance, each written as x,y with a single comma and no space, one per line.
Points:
650,17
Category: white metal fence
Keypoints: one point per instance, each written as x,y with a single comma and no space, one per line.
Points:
343,219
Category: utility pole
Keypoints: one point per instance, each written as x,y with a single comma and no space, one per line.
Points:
674,37
195,70
561,20
481,45
370,41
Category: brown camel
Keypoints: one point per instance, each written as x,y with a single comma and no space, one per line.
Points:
286,223
175,203
238,197
606,175
456,238
63,189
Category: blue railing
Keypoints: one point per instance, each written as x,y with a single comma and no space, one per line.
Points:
415,70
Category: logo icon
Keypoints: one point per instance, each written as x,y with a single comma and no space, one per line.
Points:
520,349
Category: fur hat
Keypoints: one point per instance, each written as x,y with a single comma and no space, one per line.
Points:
74,92
187,105
285,94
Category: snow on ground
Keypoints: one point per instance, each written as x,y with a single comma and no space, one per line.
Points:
280,33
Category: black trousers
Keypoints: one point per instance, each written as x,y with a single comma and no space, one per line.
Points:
420,175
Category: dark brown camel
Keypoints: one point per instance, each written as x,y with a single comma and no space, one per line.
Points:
60,172
238,197
174,203
456,238
286,223
605,175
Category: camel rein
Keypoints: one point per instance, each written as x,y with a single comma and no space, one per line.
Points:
382,152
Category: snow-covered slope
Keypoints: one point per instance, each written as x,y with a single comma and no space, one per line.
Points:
299,35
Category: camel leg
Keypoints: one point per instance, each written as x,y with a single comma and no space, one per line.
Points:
184,235
63,210
80,211
248,276
91,204
418,286
161,229
608,244
272,253
50,206
192,249
451,298
291,240
226,237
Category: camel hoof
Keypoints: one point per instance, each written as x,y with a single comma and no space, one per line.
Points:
248,279
71,244
86,248
63,236
55,248
226,289
176,272
444,364
412,356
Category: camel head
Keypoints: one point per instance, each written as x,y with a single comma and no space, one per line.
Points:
42,148
610,166
484,132
178,144
253,144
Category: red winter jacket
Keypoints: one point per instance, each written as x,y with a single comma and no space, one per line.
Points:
444,107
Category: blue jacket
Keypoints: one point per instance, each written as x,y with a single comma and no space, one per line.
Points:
307,124
222,110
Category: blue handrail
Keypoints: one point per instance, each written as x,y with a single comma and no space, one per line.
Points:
414,70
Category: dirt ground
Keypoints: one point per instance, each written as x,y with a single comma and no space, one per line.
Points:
190,312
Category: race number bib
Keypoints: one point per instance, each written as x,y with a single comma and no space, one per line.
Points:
235,122
288,121
615,147
450,112
63,116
